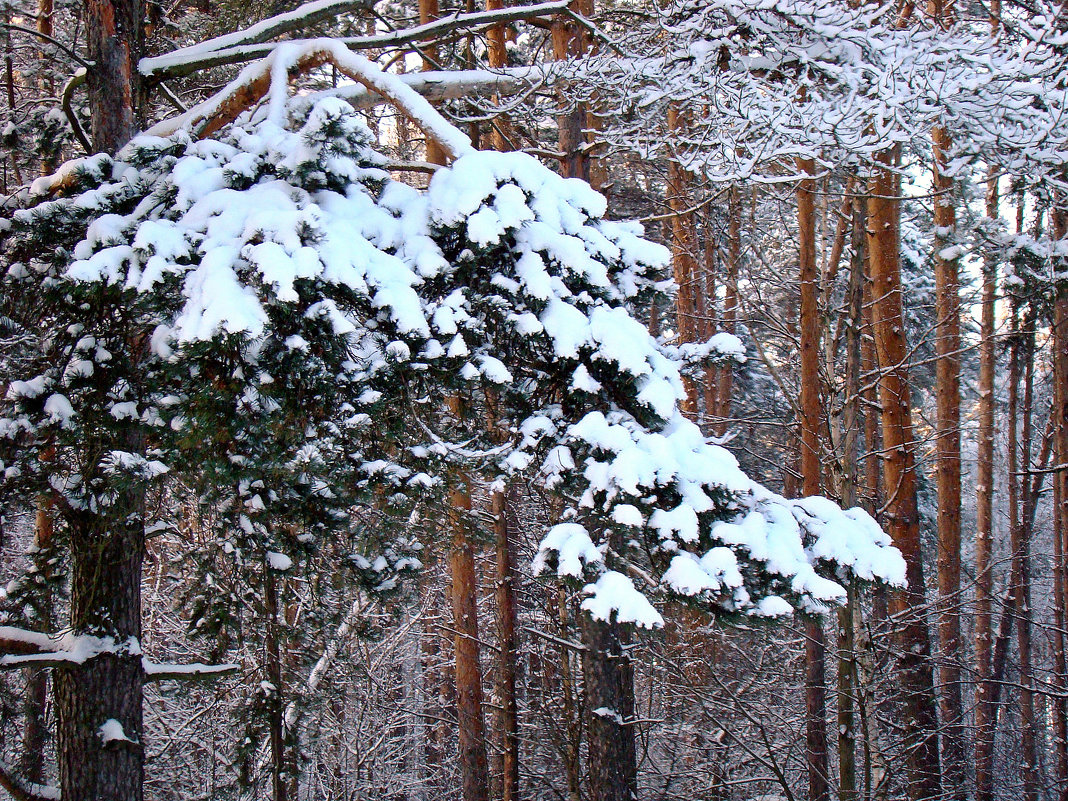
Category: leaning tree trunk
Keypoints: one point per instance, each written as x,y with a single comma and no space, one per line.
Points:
899,479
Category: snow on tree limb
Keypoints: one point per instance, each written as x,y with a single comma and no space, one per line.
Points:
271,75
299,18
217,52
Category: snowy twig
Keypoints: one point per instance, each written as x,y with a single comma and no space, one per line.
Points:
155,671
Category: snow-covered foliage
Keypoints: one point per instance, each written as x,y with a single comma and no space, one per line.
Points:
838,84
292,324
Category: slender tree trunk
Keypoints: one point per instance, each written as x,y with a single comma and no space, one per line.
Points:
683,261
276,704
849,617
474,764
1060,662
948,470
809,328
1059,359
1022,604
984,524
899,479
508,712
35,733
730,302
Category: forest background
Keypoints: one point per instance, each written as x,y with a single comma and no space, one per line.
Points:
870,197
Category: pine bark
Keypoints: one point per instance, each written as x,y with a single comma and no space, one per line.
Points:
474,763
948,468
106,555
608,677
683,261
899,480
115,41
809,329
984,524
725,378
1059,413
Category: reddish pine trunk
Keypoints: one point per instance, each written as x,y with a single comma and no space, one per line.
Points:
683,262
474,765
1059,413
899,479
809,327
948,475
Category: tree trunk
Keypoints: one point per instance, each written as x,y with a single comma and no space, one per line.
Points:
1059,413
730,302
106,553
899,480
115,40
1022,600
276,704
984,523
474,764
683,261
105,556
508,712
609,710
947,350
809,327
35,733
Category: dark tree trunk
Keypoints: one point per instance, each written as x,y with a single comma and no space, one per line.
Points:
106,557
106,551
609,712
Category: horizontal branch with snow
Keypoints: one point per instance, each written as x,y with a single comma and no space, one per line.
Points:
20,648
217,52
